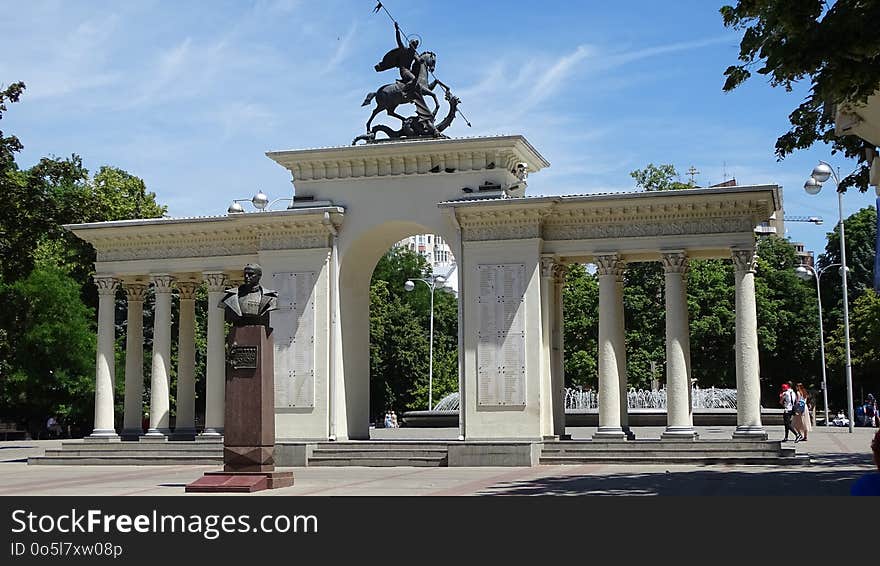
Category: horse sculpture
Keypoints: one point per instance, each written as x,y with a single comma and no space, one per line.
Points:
390,96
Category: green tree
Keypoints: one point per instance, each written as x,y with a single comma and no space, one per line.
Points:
861,234
712,316
834,45
788,333
52,354
658,178
581,327
399,336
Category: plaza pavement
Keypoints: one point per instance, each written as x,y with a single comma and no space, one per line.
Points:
837,459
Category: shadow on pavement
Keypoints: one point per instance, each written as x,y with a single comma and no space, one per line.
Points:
700,482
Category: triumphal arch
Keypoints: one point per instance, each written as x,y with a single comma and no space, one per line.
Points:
350,204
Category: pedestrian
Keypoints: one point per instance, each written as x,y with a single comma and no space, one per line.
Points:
787,398
870,411
53,429
801,419
394,423
869,484
387,423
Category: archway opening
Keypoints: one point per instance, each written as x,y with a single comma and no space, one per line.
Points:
388,359
413,332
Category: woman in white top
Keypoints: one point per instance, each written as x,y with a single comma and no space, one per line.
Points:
801,421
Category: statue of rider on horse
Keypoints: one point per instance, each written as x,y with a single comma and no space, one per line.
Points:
412,88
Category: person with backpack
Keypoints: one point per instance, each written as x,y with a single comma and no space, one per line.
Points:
787,398
801,409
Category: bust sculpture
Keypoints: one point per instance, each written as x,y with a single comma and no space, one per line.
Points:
250,303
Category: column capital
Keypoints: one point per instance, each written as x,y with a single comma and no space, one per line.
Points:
162,282
744,259
559,272
215,280
610,264
548,264
186,290
135,292
106,284
675,262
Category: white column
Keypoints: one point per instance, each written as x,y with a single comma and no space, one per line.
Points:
132,419
620,351
679,413
160,401
215,372
546,379
105,370
610,269
558,351
748,386
185,421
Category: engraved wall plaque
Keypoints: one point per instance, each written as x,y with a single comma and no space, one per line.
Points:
501,367
294,334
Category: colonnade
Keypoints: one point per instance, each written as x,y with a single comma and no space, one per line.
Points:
612,391
159,407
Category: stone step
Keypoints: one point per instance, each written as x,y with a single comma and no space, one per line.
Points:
671,453
657,449
53,453
126,460
670,445
374,454
373,445
115,447
662,455
635,458
344,460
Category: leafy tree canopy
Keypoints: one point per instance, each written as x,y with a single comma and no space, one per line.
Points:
835,46
658,178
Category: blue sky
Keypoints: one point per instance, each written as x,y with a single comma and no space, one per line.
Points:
189,95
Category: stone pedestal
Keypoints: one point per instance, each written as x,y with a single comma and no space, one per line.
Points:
249,431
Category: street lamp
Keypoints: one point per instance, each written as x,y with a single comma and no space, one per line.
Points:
807,272
259,201
821,173
435,282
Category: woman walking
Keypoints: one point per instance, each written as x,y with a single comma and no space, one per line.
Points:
801,421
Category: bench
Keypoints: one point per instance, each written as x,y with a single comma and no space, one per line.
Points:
10,431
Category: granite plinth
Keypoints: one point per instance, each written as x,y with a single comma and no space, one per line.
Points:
239,482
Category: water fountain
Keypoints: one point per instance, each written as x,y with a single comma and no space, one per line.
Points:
711,405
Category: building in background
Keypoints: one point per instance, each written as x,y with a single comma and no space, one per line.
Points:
437,253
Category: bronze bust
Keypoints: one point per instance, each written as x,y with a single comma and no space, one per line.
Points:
250,303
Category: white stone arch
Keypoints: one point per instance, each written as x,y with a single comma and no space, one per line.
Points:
355,271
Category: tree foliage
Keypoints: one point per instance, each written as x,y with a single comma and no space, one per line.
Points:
47,327
399,336
835,46
658,178
50,368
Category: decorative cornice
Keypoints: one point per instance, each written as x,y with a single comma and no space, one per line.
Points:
501,223
244,234
414,157
744,260
631,215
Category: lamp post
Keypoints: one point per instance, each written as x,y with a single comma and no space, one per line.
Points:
437,281
259,201
806,272
821,173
